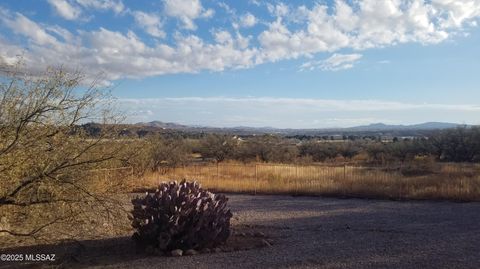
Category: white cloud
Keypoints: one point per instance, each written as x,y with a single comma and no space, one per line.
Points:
65,9
150,22
335,62
455,13
227,8
187,11
10,54
278,10
24,26
116,6
208,13
223,37
347,26
248,20
294,112
60,32
124,55
362,25
255,2
72,9
310,103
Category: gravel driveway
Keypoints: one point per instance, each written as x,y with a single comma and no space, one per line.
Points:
314,232
311,232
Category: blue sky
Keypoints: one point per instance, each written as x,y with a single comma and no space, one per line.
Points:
297,64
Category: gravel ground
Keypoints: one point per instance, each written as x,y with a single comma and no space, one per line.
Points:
314,232
310,232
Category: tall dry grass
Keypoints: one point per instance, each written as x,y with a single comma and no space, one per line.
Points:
436,181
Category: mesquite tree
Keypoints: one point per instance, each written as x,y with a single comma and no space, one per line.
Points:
45,157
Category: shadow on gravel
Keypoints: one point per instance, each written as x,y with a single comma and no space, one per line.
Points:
78,254
117,251
353,233
311,233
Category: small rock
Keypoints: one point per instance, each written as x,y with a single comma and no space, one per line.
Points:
266,243
217,250
176,253
259,234
191,252
206,250
242,234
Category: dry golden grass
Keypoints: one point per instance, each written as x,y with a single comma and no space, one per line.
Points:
110,180
440,181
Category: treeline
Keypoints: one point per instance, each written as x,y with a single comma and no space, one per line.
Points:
157,151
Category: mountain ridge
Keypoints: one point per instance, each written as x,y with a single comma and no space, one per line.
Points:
370,127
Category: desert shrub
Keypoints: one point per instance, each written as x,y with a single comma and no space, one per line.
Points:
361,157
284,154
218,147
457,145
168,152
181,216
320,152
349,149
155,153
46,159
377,153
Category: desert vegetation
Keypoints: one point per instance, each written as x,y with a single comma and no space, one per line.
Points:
160,150
68,165
421,180
180,217
442,165
49,166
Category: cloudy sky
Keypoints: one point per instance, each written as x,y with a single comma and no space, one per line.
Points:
298,64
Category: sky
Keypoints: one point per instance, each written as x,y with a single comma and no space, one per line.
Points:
287,64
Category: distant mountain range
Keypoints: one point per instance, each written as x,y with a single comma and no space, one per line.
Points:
376,127
421,126
165,125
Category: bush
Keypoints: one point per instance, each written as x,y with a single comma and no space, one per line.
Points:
219,147
181,216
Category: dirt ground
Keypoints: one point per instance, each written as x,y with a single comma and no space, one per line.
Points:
313,232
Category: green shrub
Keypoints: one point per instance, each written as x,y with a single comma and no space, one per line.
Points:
181,216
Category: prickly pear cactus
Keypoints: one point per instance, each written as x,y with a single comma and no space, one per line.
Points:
181,216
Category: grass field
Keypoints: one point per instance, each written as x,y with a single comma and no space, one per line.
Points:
437,181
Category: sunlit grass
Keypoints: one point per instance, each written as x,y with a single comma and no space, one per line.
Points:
443,181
